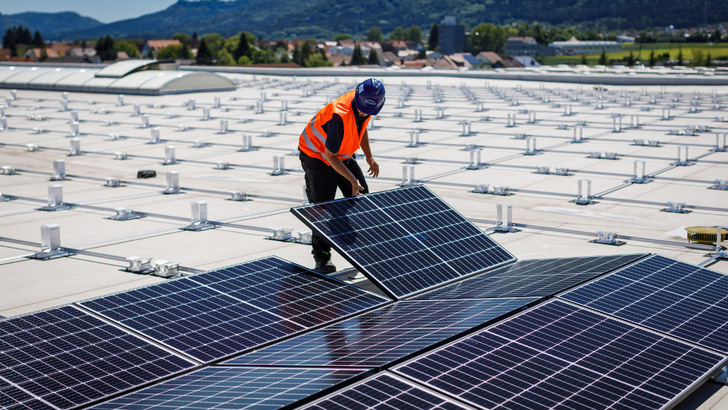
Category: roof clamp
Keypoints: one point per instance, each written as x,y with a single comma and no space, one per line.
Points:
507,225
8,170
563,171
282,234
720,184
466,128
154,136
32,148
172,183
411,160
639,178
124,214
59,170
531,146
170,157
607,238
578,135
138,264
137,111
414,138
239,196
718,146
584,198
114,137
511,121
532,117
222,165
279,167
283,118
617,123
145,121
408,175
120,156
247,143
198,220
165,269
681,162
676,207
439,112
113,182
475,160
500,190
75,148
418,115
304,237
120,100
567,110
206,114
543,169
190,104
50,243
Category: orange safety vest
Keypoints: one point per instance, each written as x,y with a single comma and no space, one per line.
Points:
313,138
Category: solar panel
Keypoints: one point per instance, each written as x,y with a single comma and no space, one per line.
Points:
289,290
385,335
63,358
670,296
535,277
196,315
405,240
561,355
385,391
234,387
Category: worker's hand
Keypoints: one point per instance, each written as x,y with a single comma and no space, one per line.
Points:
373,167
356,189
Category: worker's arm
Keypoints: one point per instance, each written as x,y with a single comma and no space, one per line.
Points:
339,167
373,166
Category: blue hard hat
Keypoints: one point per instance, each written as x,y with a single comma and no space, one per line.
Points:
369,97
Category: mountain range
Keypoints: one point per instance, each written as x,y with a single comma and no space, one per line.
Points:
288,19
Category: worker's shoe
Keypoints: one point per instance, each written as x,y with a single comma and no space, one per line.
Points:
323,262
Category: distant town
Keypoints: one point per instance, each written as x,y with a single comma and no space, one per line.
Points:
446,46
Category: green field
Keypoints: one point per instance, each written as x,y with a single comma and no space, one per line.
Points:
641,52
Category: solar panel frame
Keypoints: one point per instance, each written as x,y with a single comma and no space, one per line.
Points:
195,316
385,336
683,300
449,248
531,277
65,357
386,390
223,387
561,354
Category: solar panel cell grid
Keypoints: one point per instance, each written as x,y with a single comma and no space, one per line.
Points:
405,240
666,295
228,388
384,391
223,312
66,358
537,277
558,354
382,336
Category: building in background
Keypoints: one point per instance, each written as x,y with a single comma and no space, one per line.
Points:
452,36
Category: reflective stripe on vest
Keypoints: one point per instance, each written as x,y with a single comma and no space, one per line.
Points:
313,142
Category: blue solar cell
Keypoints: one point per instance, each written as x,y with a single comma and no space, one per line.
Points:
558,354
289,291
234,388
536,277
63,358
405,240
230,310
386,391
385,335
666,295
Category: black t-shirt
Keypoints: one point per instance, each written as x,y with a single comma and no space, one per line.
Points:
334,129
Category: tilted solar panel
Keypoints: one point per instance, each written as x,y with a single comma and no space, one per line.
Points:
218,387
386,391
535,277
196,315
561,355
385,335
677,298
405,240
64,357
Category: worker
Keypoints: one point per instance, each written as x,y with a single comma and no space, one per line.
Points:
328,145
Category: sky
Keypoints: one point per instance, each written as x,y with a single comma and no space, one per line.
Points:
105,11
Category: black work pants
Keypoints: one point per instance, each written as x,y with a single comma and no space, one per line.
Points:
321,183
